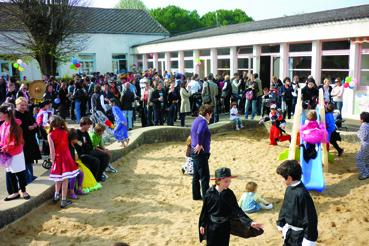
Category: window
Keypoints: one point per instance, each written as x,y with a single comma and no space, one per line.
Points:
270,49
161,55
303,75
88,63
174,64
364,71
300,47
223,51
244,65
188,53
300,66
173,54
204,52
223,66
335,66
188,64
150,56
119,63
150,64
245,50
336,45
139,65
6,68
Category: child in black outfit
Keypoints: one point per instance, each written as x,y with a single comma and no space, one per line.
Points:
297,220
219,208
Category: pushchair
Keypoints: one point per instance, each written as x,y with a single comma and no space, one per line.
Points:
99,117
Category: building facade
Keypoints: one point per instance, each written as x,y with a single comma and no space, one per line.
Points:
325,44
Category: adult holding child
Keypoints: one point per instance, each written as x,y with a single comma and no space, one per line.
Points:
200,144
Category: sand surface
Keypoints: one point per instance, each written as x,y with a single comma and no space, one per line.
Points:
149,201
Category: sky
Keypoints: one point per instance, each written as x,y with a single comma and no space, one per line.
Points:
257,9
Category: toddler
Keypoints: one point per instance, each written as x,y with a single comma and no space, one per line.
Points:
234,116
251,202
187,168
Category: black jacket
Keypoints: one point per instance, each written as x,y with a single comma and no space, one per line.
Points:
155,99
127,100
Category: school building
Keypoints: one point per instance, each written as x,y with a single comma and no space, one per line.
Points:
326,44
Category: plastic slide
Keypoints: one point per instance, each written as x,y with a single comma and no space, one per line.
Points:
312,171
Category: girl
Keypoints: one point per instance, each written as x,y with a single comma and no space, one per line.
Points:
120,130
233,116
312,133
63,166
219,206
187,168
251,202
11,145
362,157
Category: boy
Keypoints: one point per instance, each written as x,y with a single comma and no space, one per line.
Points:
235,117
297,220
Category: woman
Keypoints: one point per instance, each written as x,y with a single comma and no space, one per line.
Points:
251,100
50,94
158,99
310,94
185,102
172,104
226,93
200,145
78,98
148,105
11,144
23,92
337,94
327,90
29,128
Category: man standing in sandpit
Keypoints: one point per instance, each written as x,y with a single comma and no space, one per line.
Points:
200,144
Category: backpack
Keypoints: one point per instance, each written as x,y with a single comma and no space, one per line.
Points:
249,95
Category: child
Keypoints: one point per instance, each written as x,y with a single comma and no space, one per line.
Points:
63,166
219,205
333,135
267,99
187,168
251,202
120,131
97,143
362,157
278,124
312,133
89,182
11,147
297,221
234,116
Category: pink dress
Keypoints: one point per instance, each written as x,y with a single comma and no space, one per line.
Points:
64,167
314,133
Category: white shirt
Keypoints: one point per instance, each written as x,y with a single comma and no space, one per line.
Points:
337,93
233,113
194,86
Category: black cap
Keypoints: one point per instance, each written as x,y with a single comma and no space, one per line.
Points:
223,172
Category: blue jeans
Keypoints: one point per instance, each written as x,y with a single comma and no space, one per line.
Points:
237,122
171,114
339,106
251,103
129,115
77,109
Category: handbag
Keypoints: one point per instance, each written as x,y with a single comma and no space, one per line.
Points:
207,97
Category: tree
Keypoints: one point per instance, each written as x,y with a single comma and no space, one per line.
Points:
224,17
176,19
46,30
131,4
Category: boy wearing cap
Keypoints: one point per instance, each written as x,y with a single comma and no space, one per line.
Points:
219,208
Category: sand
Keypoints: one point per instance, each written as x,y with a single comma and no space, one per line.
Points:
149,201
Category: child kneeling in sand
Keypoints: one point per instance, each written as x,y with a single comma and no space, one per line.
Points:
251,202
297,221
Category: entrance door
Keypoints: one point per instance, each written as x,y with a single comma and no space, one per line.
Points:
204,68
265,67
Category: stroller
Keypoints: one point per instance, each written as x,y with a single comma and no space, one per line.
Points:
99,117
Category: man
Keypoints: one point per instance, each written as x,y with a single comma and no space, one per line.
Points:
210,90
127,100
259,93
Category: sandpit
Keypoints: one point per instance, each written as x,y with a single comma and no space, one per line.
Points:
149,201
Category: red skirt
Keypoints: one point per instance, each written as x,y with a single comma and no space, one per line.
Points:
64,167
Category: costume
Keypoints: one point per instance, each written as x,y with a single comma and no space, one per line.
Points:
217,212
89,182
276,131
64,167
120,130
297,218
312,133
362,156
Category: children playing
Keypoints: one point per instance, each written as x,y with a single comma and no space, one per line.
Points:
297,221
251,202
120,130
312,133
187,168
362,157
235,117
219,206
63,166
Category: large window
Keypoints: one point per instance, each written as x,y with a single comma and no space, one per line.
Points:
270,49
188,53
188,64
161,55
244,65
150,64
223,66
364,71
119,63
335,66
174,64
336,45
6,68
88,63
244,50
302,47
223,51
204,52
300,66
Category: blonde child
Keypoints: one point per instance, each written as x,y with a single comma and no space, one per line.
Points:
63,166
251,202
187,168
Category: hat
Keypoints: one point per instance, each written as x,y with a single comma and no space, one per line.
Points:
273,106
222,173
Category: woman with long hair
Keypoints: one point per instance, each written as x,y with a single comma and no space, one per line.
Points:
11,145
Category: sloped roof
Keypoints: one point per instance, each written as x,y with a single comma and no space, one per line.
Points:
107,21
334,15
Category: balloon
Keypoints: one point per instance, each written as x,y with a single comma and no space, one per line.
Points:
20,69
22,65
15,65
71,66
352,84
57,100
74,61
346,85
348,79
19,61
78,65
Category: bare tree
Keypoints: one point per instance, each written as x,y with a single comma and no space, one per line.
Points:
49,31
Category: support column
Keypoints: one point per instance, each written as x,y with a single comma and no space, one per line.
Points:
213,61
283,61
167,62
233,61
144,62
316,60
181,62
196,68
256,51
155,61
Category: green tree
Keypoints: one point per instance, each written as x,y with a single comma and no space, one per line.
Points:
176,19
223,17
131,4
